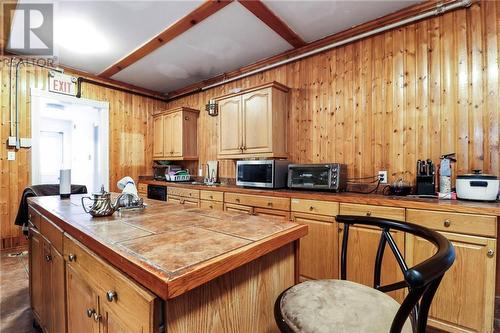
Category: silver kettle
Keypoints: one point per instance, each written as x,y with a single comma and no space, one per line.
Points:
101,206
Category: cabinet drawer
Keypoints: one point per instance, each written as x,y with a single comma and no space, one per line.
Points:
134,305
315,207
211,205
481,225
142,188
34,217
190,202
183,192
258,201
238,208
52,233
212,195
393,213
174,199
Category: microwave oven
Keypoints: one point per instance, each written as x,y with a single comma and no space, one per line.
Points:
331,177
262,173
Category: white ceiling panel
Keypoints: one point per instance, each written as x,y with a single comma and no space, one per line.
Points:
231,38
92,35
313,19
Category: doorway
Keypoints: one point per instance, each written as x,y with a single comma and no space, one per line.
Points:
69,133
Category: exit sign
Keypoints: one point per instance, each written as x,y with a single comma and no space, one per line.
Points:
62,84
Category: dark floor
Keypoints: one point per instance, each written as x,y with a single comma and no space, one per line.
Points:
15,313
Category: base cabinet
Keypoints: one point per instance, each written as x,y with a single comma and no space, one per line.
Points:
47,289
464,301
82,304
102,298
318,249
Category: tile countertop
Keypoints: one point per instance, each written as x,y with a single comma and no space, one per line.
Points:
457,206
166,245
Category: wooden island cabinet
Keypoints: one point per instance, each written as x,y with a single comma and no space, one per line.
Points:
171,268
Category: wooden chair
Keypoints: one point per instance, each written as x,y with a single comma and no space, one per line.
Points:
344,306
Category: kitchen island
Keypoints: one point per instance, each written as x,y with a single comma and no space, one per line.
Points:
169,266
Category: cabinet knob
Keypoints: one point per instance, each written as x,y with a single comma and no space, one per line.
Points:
269,204
72,257
211,197
97,317
368,213
211,207
311,208
490,253
111,296
447,223
237,200
48,258
90,312
244,147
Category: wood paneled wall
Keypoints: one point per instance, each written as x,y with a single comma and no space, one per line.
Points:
416,92
130,140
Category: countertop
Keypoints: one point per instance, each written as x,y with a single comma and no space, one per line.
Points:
170,248
457,206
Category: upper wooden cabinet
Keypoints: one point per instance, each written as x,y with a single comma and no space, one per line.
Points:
175,134
253,123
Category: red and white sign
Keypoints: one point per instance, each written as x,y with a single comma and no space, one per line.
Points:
62,84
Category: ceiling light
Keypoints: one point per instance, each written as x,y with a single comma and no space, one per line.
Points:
80,36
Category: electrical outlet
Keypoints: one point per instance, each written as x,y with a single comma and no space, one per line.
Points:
382,176
11,156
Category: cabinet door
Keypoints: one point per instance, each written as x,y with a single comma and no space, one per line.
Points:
280,215
35,273
81,301
110,322
176,123
464,301
158,136
361,252
318,249
167,135
46,287
58,292
257,122
230,139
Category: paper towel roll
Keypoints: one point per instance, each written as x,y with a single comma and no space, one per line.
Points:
65,183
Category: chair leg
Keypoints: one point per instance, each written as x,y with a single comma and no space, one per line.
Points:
425,304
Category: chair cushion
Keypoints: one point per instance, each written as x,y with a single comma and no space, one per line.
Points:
338,306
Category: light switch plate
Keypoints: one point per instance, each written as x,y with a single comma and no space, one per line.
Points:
11,155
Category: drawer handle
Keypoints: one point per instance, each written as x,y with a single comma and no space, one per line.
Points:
48,258
72,257
90,312
269,204
111,296
311,208
490,253
368,213
447,223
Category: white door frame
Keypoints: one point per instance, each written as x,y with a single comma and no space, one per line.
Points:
35,120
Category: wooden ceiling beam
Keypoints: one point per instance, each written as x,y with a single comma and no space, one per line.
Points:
364,27
259,9
203,11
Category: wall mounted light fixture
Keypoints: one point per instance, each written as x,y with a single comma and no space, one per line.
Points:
212,108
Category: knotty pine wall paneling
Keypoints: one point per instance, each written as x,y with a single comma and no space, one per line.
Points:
381,103
129,140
